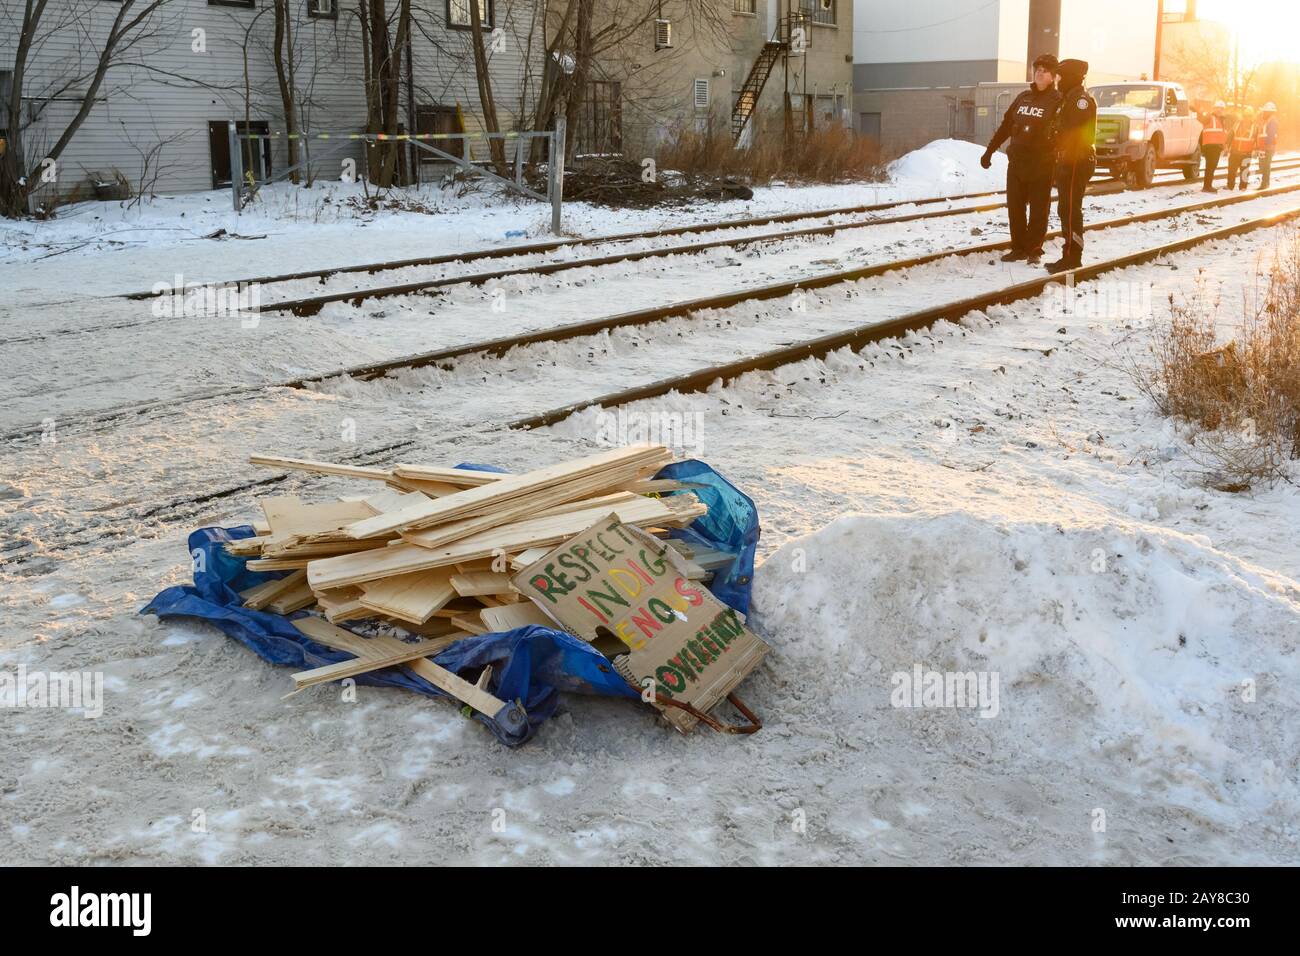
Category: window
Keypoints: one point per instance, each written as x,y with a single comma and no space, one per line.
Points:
744,6
701,94
323,9
458,14
820,11
232,3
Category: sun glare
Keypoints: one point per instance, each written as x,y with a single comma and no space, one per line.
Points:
1269,29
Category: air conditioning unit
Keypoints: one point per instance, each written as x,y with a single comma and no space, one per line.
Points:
663,34
322,8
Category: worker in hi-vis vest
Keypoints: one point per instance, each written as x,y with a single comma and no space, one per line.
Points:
1242,144
1027,124
1267,143
1214,136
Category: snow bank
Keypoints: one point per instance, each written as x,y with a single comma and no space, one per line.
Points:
1116,644
948,163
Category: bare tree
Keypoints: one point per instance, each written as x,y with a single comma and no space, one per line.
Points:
134,22
382,58
483,75
283,54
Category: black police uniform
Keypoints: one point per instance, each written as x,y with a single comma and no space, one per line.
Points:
1028,124
1076,159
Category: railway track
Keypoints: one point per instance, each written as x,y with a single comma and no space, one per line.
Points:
169,510
1111,184
498,347
312,305
861,335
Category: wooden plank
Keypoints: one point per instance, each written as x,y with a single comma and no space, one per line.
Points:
297,548
430,489
537,532
476,583
390,499
410,597
539,505
470,622
484,498
710,559
462,477
268,591
295,599
440,677
246,547
514,615
320,467
654,486
361,665
343,604
525,558
288,514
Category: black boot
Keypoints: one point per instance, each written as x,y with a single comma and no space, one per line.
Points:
1015,255
1061,265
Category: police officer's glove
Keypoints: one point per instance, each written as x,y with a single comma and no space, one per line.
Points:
987,159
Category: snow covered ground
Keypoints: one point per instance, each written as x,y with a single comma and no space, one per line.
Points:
992,496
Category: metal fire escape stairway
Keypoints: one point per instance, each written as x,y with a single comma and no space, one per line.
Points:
747,101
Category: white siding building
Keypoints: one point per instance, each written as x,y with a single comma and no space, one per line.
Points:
203,63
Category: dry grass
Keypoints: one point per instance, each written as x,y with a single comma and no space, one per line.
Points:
1242,395
829,155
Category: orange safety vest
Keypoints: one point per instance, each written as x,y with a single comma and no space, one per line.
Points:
1214,134
1244,143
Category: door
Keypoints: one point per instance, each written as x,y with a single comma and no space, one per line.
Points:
440,119
869,125
257,152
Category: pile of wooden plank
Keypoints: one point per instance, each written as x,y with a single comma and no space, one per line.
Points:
432,550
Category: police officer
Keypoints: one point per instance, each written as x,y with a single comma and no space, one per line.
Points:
1076,158
1027,124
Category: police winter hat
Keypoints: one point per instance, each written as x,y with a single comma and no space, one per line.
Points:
1074,69
1047,61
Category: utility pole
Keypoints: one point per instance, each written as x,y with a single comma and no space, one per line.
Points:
1236,67
1160,35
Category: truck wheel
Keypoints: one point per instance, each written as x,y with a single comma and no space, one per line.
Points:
1144,168
1192,171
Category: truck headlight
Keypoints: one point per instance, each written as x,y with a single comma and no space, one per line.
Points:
1137,133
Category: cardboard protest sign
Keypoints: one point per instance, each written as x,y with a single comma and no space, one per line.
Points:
614,579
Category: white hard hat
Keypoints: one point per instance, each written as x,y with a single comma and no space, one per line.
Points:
1268,107
1220,105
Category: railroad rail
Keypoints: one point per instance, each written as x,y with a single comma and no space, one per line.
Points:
499,346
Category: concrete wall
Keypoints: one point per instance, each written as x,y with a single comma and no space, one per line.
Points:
911,118
181,84
1116,37
919,64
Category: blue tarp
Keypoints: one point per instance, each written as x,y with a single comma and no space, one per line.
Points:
531,665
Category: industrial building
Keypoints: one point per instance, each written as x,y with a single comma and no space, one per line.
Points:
934,69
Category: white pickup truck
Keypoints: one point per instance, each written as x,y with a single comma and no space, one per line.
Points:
1143,125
